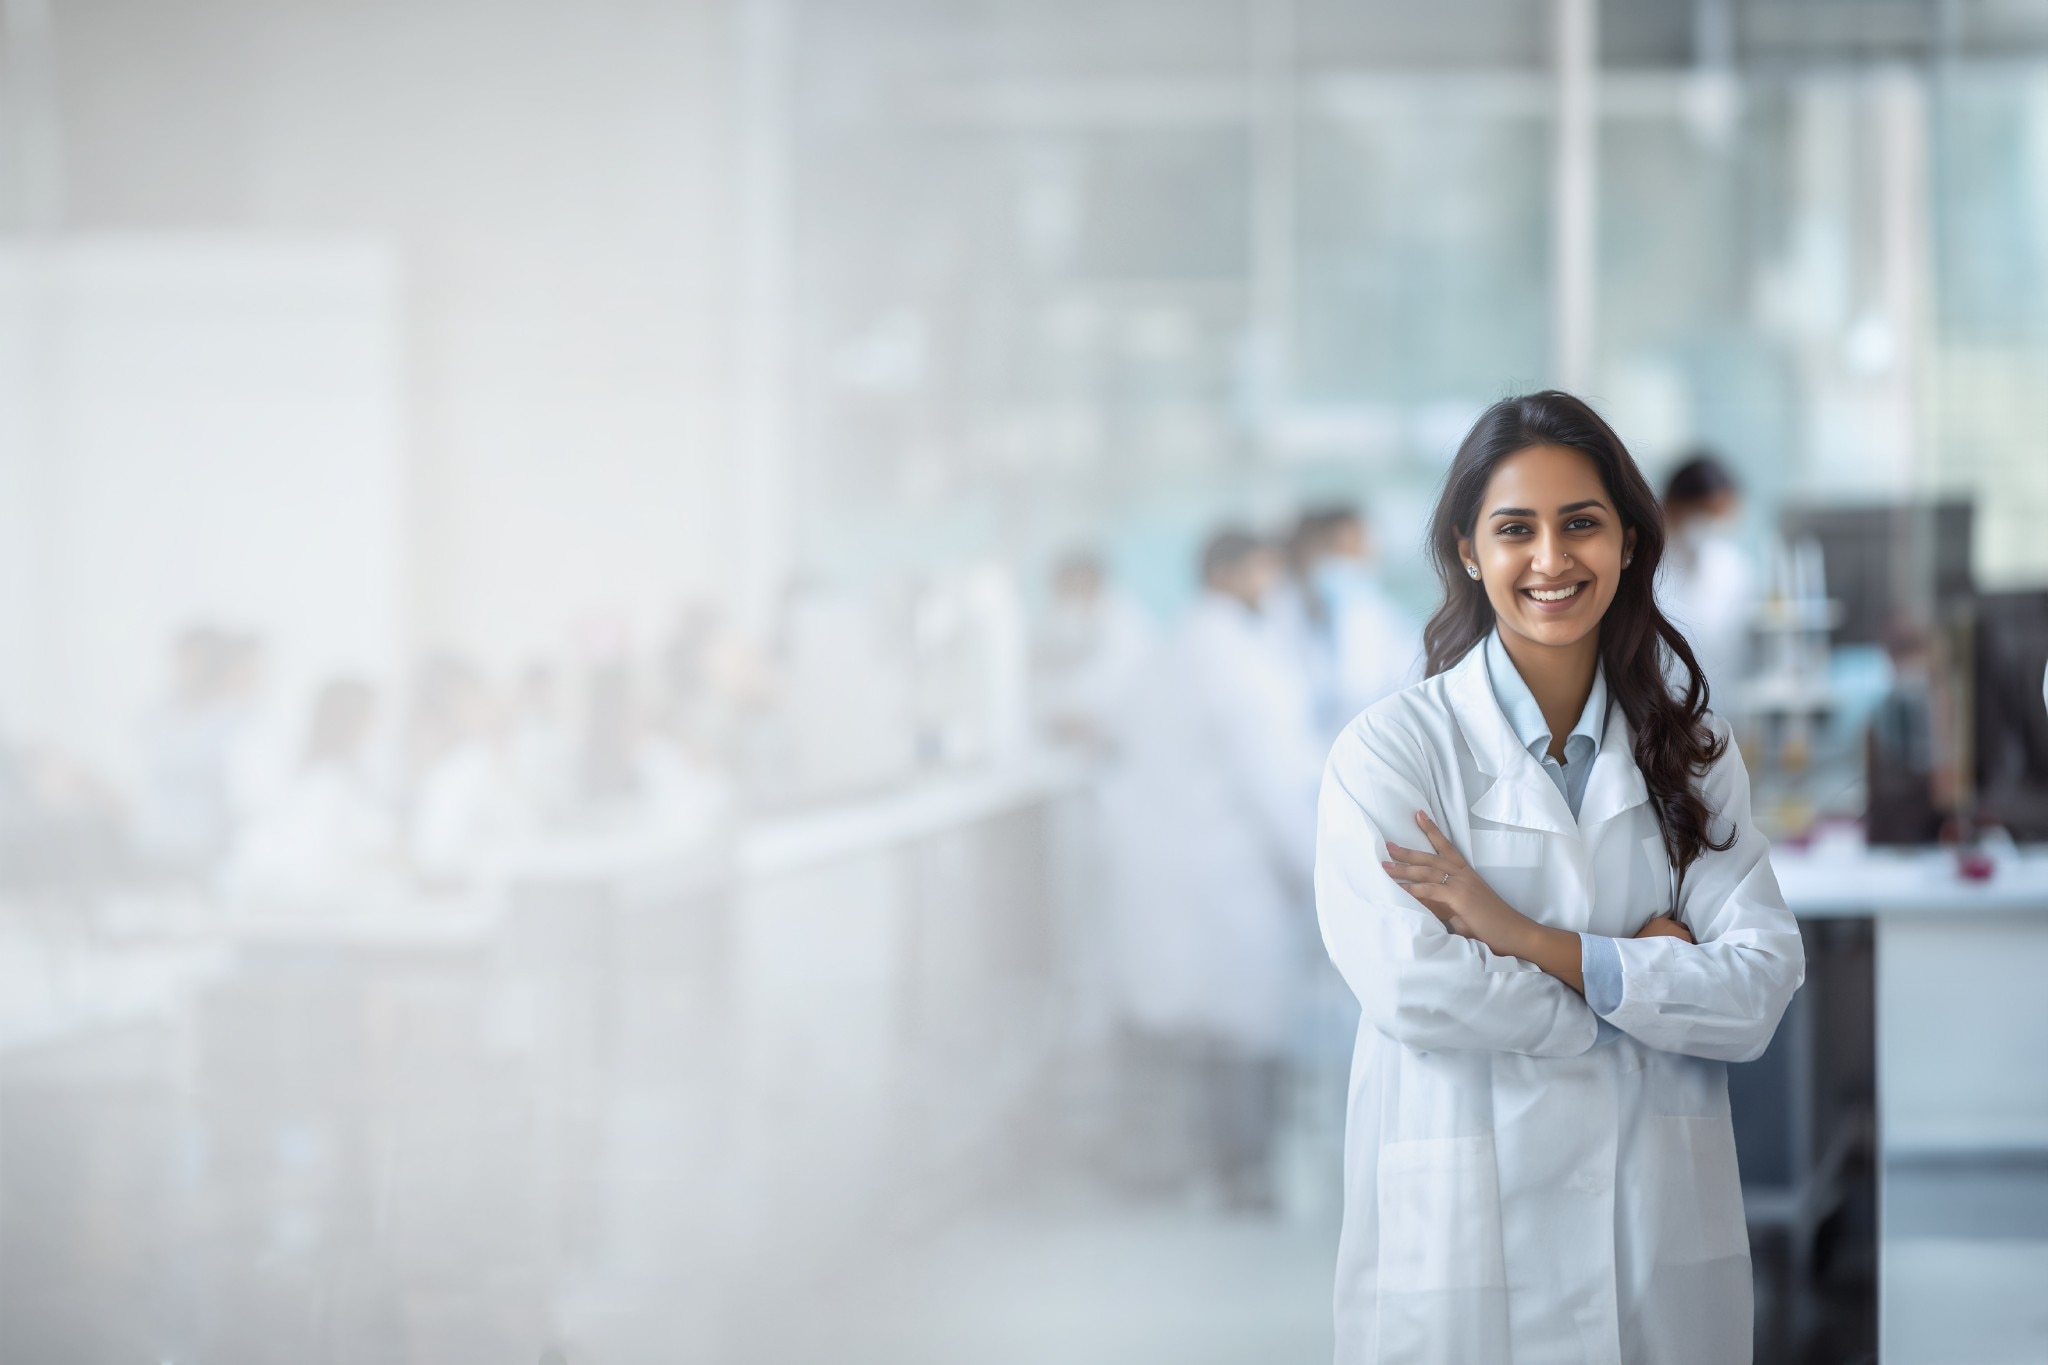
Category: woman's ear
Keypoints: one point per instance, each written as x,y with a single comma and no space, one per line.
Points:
1465,555
1628,545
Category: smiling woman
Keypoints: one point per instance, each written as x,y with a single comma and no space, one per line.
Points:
1578,928
1543,511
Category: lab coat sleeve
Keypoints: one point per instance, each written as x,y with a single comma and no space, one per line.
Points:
1419,983
1721,997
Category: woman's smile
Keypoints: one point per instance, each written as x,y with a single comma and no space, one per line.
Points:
1562,598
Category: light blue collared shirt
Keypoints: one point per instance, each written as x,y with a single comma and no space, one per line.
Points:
1518,704
1599,960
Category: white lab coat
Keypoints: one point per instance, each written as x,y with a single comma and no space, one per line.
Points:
1706,588
1210,813
1512,1191
1367,648
470,803
1379,645
1090,658
327,844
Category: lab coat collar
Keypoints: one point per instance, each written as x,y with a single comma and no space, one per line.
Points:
1521,795
1616,783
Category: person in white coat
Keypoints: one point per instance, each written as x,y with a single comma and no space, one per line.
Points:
1706,585
328,842
1354,642
1538,872
468,802
1091,652
1211,807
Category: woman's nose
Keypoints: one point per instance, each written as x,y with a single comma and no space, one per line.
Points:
1550,558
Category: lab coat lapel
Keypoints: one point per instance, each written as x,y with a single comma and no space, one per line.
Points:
1615,785
1520,795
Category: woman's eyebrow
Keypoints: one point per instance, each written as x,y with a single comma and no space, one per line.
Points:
1568,507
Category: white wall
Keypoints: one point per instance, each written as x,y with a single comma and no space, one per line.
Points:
549,178
197,431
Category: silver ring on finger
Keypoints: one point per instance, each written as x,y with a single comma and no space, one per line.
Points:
1447,879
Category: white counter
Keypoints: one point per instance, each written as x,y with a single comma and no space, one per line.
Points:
635,855
1853,880
790,843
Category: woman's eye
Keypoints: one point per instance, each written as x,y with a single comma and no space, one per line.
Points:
1581,524
1512,528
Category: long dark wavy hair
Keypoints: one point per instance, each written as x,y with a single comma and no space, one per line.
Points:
1674,746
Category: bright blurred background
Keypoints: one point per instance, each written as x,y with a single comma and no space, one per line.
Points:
602,641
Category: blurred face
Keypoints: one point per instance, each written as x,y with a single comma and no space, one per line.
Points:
1548,545
1723,508
1075,584
1705,516
1264,571
1347,540
1252,578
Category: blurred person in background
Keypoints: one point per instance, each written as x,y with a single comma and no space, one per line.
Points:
329,841
714,684
185,810
687,698
1210,814
1092,648
540,745
1707,586
267,738
608,773
644,769
1299,615
469,799
1355,643
60,823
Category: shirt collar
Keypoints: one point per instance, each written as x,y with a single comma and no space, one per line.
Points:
1518,704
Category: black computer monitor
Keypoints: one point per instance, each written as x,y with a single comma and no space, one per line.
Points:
2009,720
1889,561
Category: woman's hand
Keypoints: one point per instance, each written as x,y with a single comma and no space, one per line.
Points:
1665,926
1452,890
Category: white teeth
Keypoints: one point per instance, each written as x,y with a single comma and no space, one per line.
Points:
1557,596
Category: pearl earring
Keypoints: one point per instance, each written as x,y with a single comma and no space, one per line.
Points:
1471,571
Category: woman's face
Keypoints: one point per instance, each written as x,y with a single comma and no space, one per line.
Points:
1548,545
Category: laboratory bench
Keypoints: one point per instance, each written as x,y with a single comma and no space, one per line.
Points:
1908,1067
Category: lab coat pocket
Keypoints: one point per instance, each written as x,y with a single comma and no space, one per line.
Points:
1512,863
1694,1192
1439,1215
